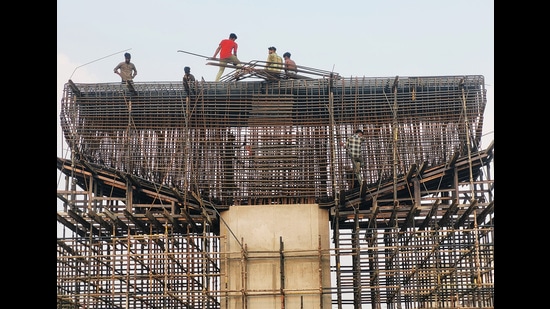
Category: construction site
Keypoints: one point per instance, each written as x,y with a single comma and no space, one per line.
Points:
240,194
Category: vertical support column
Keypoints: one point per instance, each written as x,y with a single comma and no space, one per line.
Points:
395,134
90,193
244,279
356,260
282,270
129,196
320,261
416,191
332,144
129,134
336,238
467,129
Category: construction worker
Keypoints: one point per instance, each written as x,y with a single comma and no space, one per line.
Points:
353,148
228,53
127,69
188,78
290,65
274,61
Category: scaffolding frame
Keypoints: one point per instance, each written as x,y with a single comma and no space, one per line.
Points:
153,166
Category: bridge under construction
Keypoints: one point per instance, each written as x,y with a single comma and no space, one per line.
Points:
153,169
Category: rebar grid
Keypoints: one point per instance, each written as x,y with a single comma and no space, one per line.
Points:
267,143
272,142
436,268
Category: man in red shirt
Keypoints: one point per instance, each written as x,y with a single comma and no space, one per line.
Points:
228,53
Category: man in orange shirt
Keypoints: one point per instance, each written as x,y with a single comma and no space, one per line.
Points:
228,53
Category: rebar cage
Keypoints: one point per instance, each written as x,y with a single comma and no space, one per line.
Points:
272,142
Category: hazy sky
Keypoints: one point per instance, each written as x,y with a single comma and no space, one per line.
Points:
353,38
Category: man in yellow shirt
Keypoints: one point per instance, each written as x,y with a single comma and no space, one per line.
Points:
274,61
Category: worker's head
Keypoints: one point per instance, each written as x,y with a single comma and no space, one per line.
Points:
127,57
187,70
286,55
271,49
233,36
359,132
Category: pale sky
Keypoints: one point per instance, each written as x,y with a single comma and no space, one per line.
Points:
354,38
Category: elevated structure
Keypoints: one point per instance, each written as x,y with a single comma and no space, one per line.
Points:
153,166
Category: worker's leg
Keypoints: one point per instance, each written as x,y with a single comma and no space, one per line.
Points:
357,170
220,71
236,62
